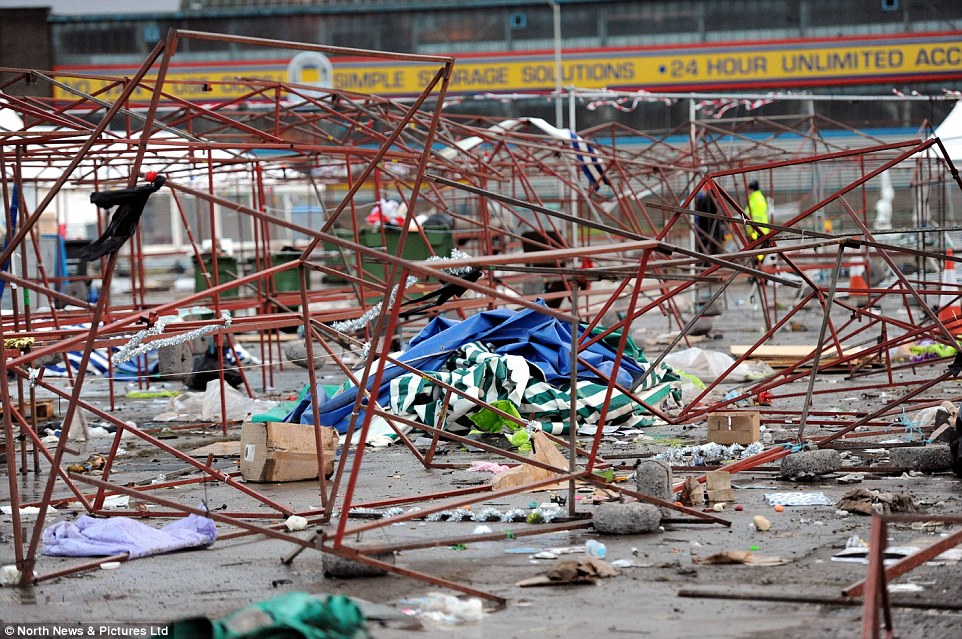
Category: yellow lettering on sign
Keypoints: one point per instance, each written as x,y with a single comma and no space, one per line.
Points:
734,65
194,85
940,56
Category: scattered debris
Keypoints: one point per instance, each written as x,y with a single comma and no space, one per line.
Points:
78,426
708,365
549,553
344,568
444,609
94,462
761,523
488,467
295,522
206,406
857,551
27,511
692,493
866,502
10,575
741,557
116,501
583,571
545,452
905,588
594,548
798,499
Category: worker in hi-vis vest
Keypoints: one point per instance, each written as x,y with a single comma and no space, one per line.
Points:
757,210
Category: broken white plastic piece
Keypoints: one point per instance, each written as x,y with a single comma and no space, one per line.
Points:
295,522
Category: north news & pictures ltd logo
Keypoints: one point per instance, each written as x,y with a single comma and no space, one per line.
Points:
87,630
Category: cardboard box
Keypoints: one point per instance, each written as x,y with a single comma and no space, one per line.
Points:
736,427
278,451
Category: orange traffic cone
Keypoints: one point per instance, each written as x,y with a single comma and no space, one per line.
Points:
950,310
857,286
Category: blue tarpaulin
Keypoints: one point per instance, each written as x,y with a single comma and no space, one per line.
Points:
541,340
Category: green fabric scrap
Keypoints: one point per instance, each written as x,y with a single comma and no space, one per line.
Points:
151,394
282,410
294,615
520,440
276,414
940,350
691,378
490,422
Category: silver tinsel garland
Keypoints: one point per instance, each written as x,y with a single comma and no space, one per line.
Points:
135,347
33,373
487,514
710,453
354,325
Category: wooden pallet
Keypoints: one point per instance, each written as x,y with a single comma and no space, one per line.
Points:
44,409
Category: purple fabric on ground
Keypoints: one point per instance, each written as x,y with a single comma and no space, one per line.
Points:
89,537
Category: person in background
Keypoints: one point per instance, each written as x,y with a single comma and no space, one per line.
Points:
757,210
709,237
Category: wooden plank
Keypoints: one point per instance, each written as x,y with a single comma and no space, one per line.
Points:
786,351
218,449
785,355
248,338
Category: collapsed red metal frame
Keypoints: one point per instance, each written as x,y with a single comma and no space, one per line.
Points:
634,227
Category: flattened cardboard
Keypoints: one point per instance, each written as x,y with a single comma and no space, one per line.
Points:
281,452
545,452
734,427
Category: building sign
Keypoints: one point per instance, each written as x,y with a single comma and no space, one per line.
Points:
732,66
215,82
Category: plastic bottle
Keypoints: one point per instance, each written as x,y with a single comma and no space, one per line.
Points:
595,548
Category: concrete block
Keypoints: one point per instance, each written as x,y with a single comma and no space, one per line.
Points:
928,459
176,361
297,353
634,518
344,568
811,463
653,477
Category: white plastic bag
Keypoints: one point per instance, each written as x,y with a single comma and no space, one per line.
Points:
710,365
